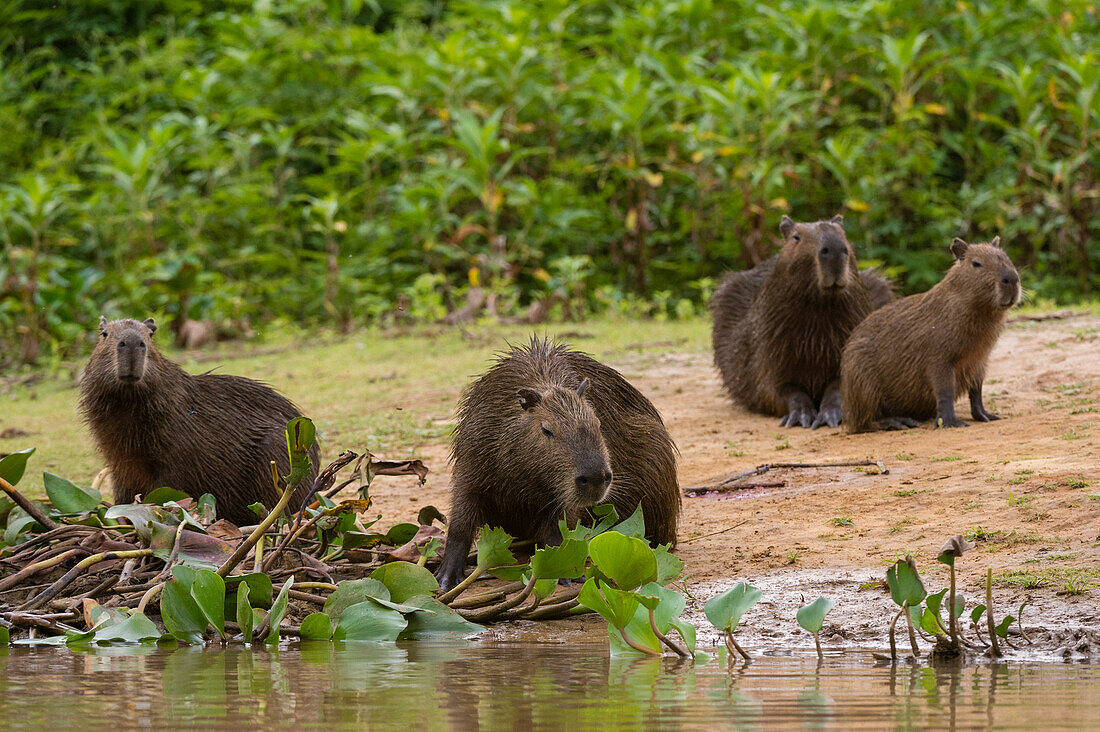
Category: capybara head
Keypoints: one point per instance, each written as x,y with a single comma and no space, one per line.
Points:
822,245
122,353
564,432
988,273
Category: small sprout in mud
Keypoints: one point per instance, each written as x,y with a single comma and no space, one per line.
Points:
901,524
1077,584
1094,496
1078,482
977,534
841,521
724,611
1018,501
736,449
812,616
906,492
904,456
783,441
792,558
946,459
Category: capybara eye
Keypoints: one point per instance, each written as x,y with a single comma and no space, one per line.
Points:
976,263
797,237
103,333
546,431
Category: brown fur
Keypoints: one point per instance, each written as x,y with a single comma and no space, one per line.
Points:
910,360
508,472
156,425
780,328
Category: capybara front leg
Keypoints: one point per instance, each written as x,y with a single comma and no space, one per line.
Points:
800,408
460,535
829,413
977,409
943,384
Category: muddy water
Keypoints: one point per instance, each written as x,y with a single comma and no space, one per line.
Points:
519,686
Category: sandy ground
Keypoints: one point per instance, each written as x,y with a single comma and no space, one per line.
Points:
1020,486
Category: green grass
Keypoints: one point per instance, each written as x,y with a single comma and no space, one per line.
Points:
391,394
1067,580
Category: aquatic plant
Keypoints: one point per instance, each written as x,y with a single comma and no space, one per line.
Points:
724,611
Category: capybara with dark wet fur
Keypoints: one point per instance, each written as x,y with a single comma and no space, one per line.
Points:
156,425
547,433
911,359
780,327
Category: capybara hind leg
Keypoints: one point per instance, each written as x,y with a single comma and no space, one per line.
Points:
800,408
830,412
977,409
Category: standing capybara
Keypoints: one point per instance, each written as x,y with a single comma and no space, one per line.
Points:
780,327
156,425
547,433
911,359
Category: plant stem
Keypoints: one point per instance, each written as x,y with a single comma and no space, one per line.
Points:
912,633
149,595
30,569
951,612
635,646
995,649
738,648
893,642
481,615
486,597
664,638
461,586
24,503
66,579
817,643
258,532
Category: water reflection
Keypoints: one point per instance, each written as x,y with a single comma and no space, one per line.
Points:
519,686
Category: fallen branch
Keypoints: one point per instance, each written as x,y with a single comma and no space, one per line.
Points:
25,503
66,579
761,469
31,569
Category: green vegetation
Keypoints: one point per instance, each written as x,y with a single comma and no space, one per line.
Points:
343,163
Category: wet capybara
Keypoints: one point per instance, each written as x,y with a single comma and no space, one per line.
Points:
546,433
780,327
156,425
911,359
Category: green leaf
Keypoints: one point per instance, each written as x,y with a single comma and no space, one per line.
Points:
136,628
616,606
638,631
67,497
511,573
669,566
977,613
14,465
180,613
492,549
544,588
369,621
634,525
208,590
1002,627
627,561
300,434
437,620
244,611
18,522
316,626
904,582
404,579
560,562
260,590
5,637
278,610
353,592
930,623
724,611
401,534
160,496
812,616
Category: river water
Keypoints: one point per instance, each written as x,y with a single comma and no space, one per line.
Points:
519,686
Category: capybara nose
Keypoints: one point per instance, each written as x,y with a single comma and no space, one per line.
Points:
1011,279
594,483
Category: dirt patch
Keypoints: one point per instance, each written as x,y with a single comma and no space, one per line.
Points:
1025,488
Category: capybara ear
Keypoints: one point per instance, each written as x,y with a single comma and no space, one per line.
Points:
838,220
959,247
785,226
152,326
582,388
528,398
996,242
102,322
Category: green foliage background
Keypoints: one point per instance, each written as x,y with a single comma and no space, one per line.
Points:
338,161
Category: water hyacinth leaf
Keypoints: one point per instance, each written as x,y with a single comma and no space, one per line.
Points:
244,612
369,621
57,640
208,589
724,611
669,566
138,514
672,604
954,548
564,561
405,579
134,629
401,534
633,525
18,522
977,613
615,606
935,601
436,619
300,434
180,614
627,561
904,582
687,632
160,496
206,509
259,509
544,588
638,631
812,616
1002,627
68,497
930,623
960,605
511,573
14,465
493,548
260,590
278,610
5,636
316,626
353,592
196,550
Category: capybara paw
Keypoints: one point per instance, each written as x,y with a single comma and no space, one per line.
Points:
952,422
984,417
447,580
897,423
829,415
803,417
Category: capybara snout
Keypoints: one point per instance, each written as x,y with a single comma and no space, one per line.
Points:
832,256
130,346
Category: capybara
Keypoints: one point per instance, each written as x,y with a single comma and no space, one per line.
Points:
911,359
156,425
780,327
545,434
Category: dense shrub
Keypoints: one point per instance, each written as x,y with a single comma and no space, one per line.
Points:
324,160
